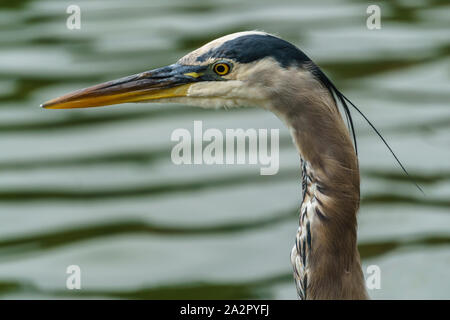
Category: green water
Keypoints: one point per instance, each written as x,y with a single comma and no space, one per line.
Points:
96,187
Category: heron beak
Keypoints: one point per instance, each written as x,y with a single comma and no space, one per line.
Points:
167,82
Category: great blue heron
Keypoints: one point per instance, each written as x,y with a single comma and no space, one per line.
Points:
258,69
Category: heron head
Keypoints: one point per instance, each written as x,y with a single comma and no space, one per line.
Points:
240,69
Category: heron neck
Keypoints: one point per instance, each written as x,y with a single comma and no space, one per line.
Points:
325,258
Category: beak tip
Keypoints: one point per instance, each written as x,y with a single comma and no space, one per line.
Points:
46,105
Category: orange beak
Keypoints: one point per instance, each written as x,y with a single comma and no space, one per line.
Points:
167,82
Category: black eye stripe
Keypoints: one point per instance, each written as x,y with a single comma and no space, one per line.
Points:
253,47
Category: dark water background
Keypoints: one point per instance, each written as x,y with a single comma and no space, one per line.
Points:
96,187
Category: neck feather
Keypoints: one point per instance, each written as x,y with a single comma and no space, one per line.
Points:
325,257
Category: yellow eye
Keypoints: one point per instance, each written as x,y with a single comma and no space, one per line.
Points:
221,68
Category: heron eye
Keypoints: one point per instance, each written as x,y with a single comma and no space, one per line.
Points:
221,68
